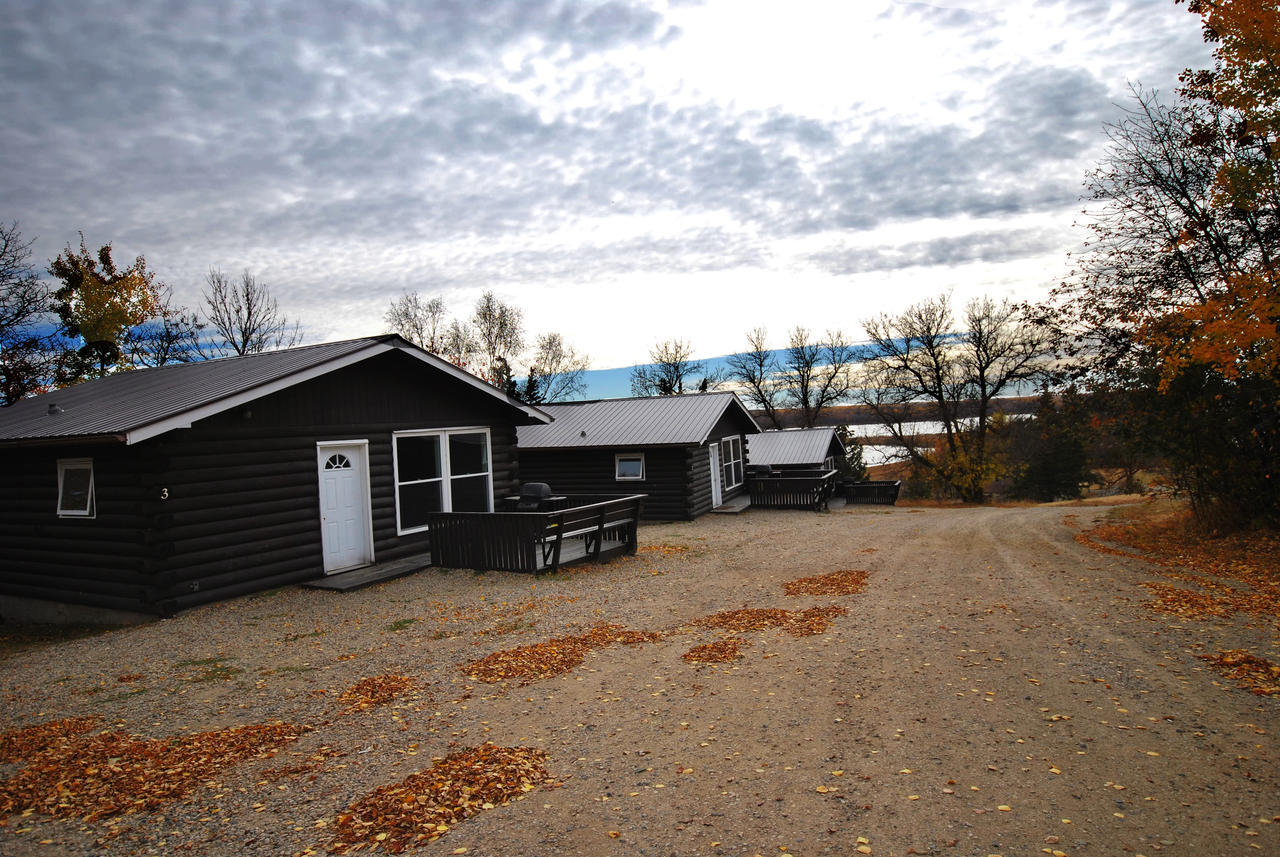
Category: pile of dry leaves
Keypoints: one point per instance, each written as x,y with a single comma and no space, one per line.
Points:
718,652
836,583
553,657
798,623
374,690
422,808
69,772
1256,674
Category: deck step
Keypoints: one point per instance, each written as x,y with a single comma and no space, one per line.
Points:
367,575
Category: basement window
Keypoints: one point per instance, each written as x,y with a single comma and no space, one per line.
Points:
75,488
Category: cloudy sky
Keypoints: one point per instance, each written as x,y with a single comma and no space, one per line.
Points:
624,170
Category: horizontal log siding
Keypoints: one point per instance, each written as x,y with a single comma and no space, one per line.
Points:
101,561
668,481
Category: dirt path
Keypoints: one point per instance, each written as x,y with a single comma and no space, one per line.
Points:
997,688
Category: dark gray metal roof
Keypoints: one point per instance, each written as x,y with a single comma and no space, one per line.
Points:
654,421
134,405
791,446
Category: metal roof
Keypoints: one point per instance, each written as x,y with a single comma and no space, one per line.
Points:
791,446
142,403
653,421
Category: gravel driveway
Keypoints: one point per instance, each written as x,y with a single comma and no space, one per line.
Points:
996,688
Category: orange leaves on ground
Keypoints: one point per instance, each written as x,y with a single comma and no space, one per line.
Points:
1170,542
663,549
19,744
422,807
553,657
836,583
1258,675
113,773
374,690
1186,603
798,623
718,652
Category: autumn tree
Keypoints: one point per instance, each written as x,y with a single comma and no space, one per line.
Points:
922,365
28,353
1175,304
100,306
671,370
244,317
424,323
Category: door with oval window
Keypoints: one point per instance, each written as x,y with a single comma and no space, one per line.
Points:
345,527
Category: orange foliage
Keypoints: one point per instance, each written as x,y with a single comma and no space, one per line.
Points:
553,657
1258,675
98,776
421,808
718,652
798,623
836,583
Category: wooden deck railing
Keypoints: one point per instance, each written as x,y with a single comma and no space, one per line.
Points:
536,541
792,489
877,493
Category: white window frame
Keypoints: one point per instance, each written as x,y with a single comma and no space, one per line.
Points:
728,460
617,460
65,464
446,476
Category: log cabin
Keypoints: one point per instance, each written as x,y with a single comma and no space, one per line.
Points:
150,491
686,453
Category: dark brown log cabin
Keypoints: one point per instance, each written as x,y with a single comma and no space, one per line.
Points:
686,453
155,490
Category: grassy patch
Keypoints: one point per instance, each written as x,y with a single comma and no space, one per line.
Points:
400,624
212,669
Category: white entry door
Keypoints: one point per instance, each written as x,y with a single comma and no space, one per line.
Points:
717,489
346,530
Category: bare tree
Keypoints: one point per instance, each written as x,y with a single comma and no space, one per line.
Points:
421,322
816,374
556,373
670,370
459,345
922,368
499,332
171,336
245,317
27,353
757,372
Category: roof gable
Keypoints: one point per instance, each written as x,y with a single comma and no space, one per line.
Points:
140,404
651,421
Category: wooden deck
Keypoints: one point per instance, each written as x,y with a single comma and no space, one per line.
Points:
792,489
594,527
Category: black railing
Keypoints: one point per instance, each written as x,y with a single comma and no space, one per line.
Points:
792,489
875,493
591,527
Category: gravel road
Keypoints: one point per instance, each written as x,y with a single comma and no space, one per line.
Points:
996,688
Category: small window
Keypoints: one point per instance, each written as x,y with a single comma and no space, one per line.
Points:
628,466
75,488
337,461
